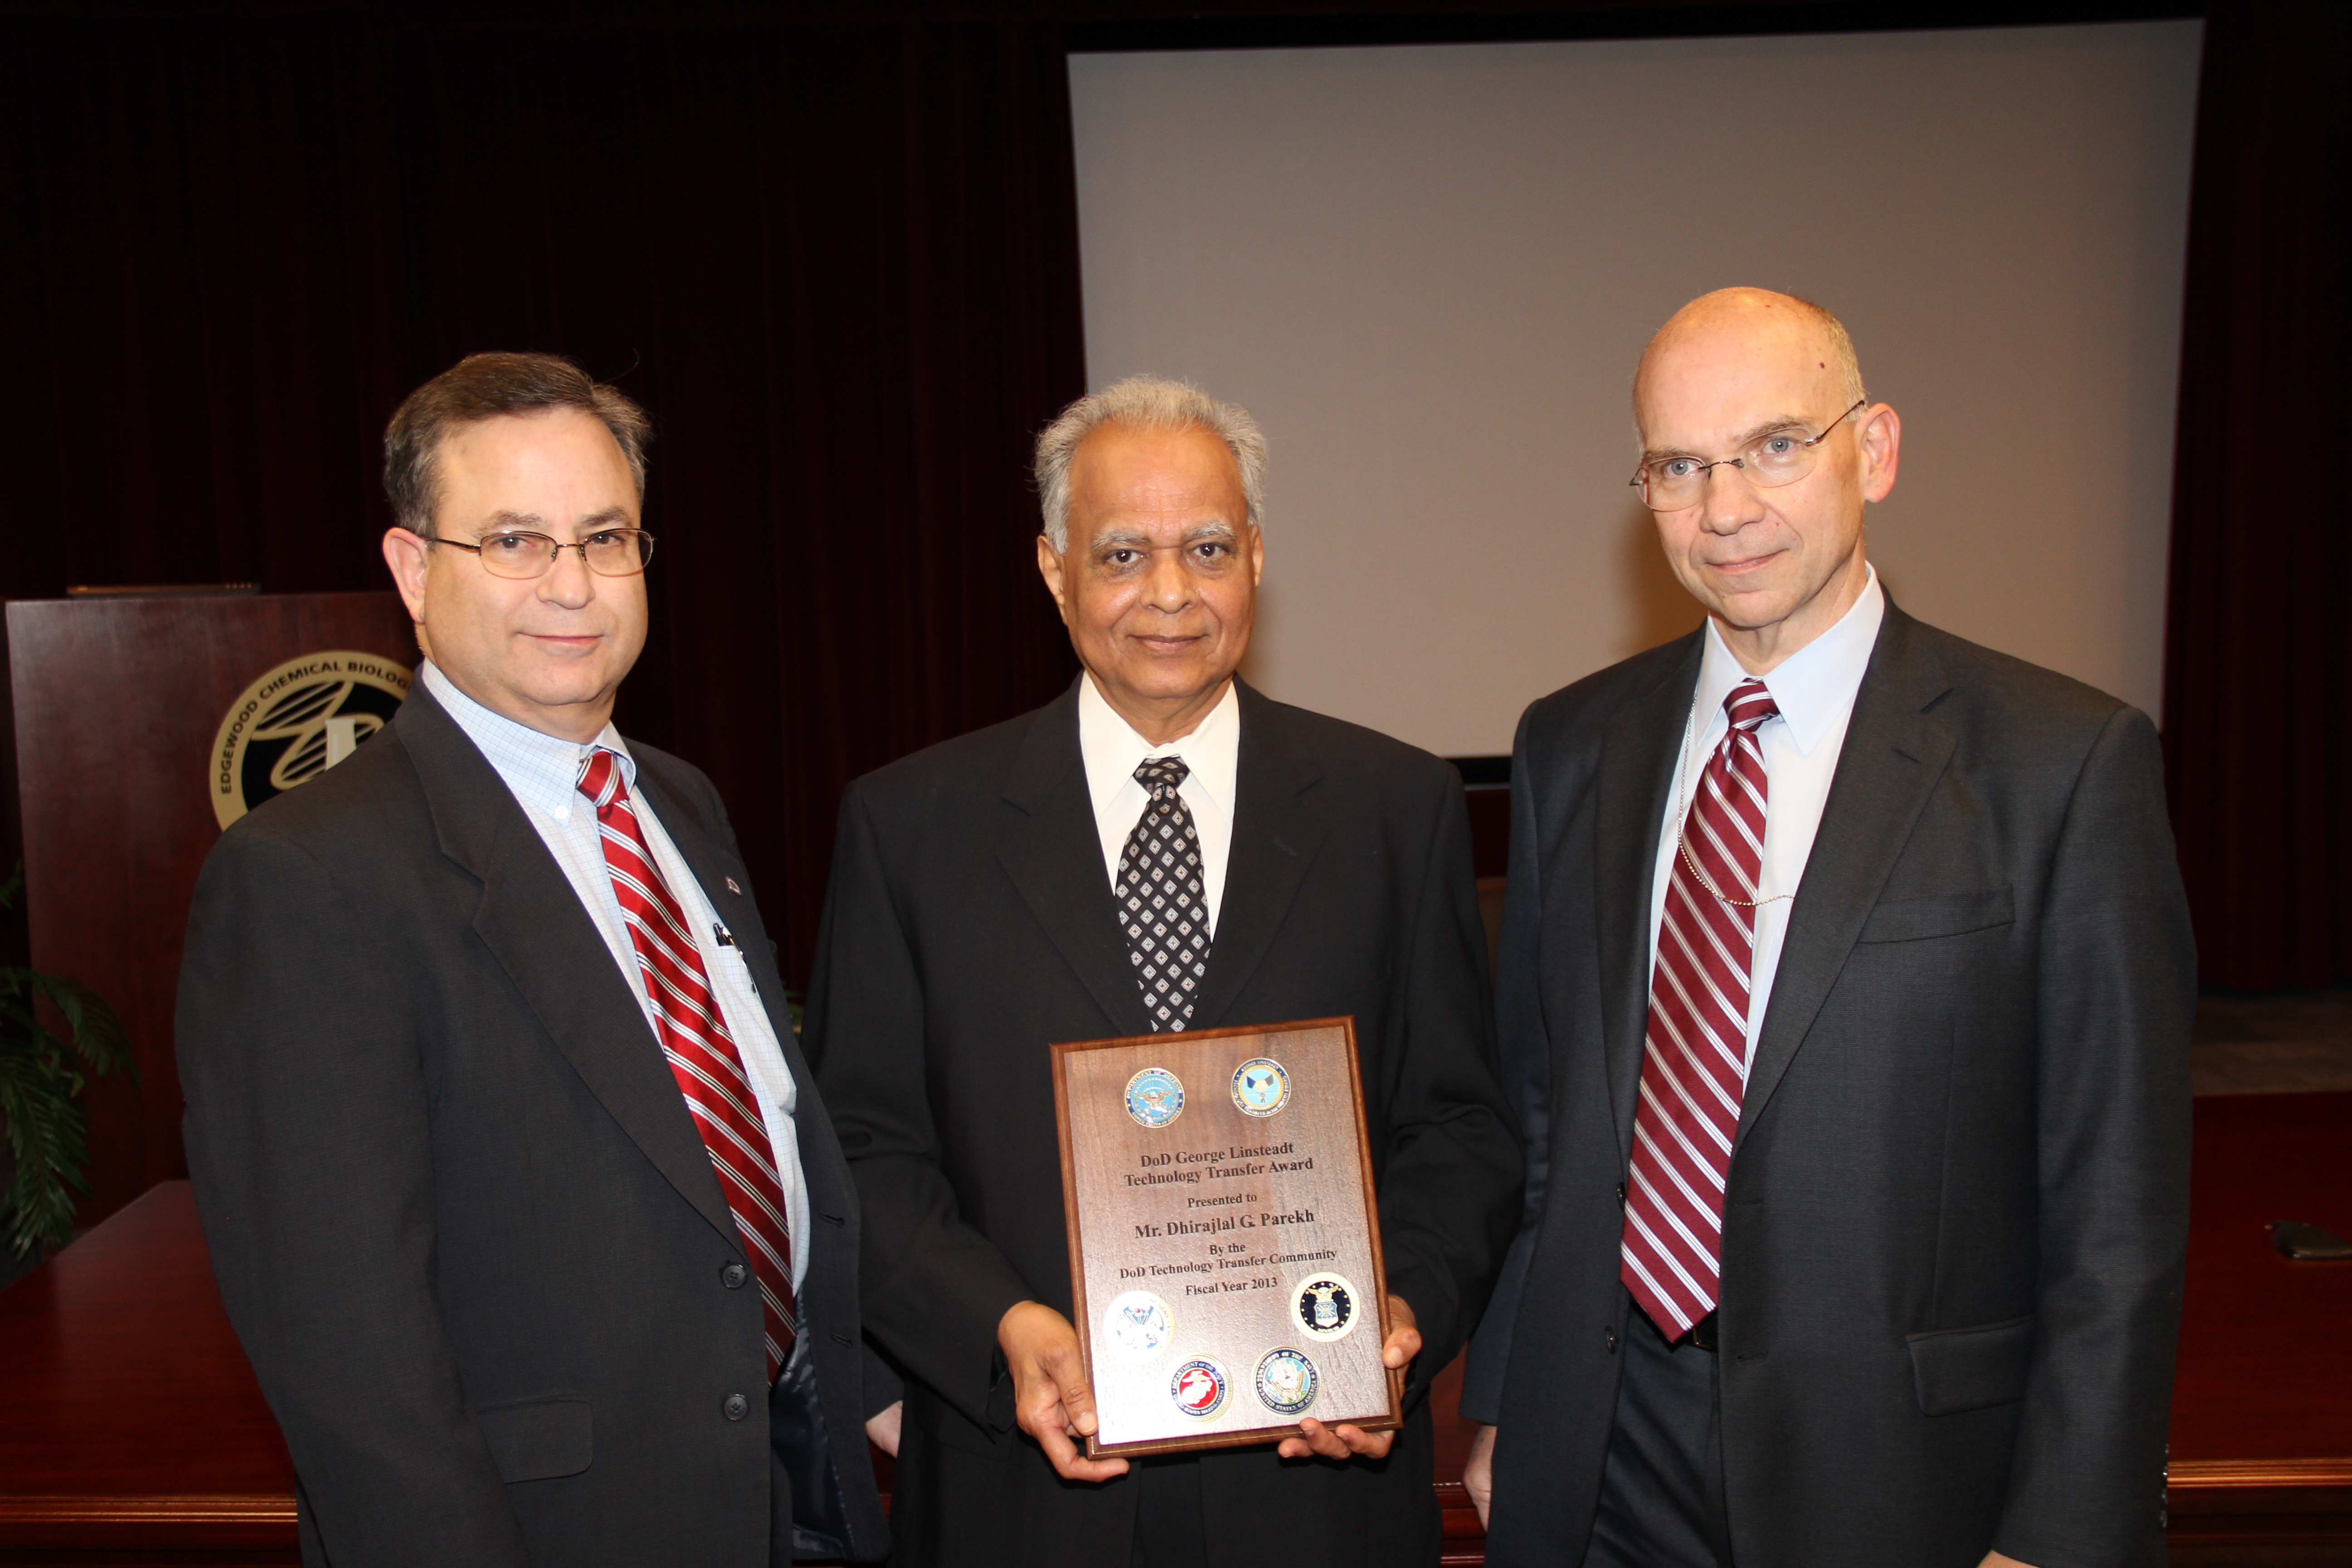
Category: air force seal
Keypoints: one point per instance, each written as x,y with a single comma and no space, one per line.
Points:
1155,1097
1261,1087
1199,1388
1324,1307
1286,1381
1138,1325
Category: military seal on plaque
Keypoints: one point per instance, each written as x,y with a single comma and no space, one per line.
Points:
1155,1097
1138,1325
1286,1381
1324,1306
1199,1388
1261,1087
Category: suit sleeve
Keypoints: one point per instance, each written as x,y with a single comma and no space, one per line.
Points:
308,1144
934,1288
1449,1196
1525,1053
2117,995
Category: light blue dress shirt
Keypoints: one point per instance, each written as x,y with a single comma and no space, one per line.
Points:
1815,689
543,771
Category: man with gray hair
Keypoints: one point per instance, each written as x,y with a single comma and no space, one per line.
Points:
971,924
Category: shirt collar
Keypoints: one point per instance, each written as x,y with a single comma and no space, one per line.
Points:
1813,687
543,770
1112,749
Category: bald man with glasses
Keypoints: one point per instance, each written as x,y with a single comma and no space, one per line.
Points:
1844,998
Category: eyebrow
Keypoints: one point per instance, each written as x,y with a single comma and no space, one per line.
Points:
1217,530
1753,433
532,523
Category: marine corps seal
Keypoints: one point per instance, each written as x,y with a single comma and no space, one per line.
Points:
1199,1387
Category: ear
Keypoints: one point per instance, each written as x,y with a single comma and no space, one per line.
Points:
1881,450
1257,555
1049,567
407,553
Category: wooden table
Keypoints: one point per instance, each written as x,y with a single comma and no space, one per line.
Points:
129,1424
132,1431
2261,1407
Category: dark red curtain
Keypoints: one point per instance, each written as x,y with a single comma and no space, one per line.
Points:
2258,655
837,261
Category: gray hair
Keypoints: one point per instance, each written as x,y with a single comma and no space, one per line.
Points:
1145,402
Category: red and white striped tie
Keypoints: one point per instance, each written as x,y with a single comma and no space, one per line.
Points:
701,1053
1694,1066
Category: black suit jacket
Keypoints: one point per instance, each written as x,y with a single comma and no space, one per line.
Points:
971,925
1958,1207
463,1221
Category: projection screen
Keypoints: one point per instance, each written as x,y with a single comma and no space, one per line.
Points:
1429,272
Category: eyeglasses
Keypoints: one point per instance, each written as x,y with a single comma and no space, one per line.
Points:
608,552
1777,457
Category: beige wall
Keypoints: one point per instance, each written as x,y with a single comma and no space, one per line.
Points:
1429,272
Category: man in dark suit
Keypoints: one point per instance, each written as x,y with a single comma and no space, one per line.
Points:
1322,869
521,1198
1844,994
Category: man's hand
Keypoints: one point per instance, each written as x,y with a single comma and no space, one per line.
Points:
1050,1396
1995,1560
1478,1472
882,1428
1343,1442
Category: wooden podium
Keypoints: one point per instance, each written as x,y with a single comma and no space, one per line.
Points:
119,702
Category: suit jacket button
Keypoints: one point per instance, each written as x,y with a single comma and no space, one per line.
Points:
1620,1194
736,1407
733,1276
1609,1336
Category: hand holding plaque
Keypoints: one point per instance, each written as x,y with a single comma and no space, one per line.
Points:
1225,1244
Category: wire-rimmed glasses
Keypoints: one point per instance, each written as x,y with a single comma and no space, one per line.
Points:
514,553
1776,457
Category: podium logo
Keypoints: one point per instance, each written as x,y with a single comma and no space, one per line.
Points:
295,722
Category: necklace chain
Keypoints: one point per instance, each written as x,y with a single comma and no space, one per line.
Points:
1681,817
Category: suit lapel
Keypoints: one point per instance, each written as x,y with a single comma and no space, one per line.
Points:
1893,754
1053,856
532,923
722,876
1276,837
1636,770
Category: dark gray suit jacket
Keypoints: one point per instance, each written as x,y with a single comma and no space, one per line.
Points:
1958,1204
971,925
463,1221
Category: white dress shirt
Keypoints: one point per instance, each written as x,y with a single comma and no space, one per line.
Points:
543,771
1814,689
1213,752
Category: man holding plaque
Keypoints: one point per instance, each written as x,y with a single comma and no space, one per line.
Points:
1845,990
1299,869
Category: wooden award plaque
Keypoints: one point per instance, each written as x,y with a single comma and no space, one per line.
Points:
1224,1240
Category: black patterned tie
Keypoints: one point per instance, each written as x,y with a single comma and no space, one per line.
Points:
1160,900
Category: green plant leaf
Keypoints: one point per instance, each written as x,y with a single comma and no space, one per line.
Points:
99,1037
47,1133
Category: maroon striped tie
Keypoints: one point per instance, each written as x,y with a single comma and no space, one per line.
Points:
700,1051
1695,1068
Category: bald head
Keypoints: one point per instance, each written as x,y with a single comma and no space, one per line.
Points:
1751,324
1759,455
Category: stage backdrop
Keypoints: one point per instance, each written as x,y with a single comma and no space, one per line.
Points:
837,260
1429,271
